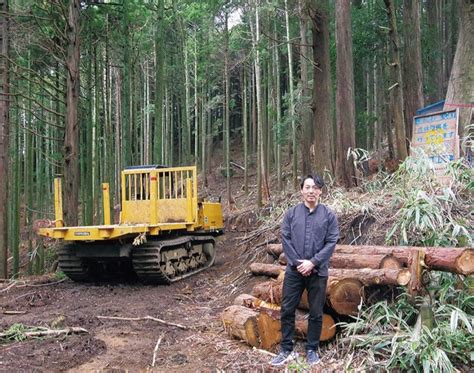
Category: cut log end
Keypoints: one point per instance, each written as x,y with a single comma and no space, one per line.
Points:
390,262
345,296
241,323
404,277
465,262
329,328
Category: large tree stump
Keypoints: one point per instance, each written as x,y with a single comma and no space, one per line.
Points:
241,322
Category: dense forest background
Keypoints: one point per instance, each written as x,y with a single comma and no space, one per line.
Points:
90,87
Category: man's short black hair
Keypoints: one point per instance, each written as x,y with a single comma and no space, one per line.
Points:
318,180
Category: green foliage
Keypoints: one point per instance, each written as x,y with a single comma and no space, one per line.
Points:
428,213
59,275
397,341
15,333
298,365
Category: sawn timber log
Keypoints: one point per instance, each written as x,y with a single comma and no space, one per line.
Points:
345,289
269,326
458,260
354,261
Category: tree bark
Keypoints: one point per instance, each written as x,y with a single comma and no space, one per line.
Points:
4,135
322,89
450,259
344,289
227,113
413,73
241,323
158,156
396,84
349,261
345,104
461,81
263,191
291,104
306,137
269,324
263,269
71,138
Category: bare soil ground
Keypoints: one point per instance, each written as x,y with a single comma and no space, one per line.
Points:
196,303
116,345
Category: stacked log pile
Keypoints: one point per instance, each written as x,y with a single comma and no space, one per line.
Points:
255,318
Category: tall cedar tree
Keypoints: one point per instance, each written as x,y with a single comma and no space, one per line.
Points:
396,89
461,82
4,135
345,104
413,75
322,103
71,138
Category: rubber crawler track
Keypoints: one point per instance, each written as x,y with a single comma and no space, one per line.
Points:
146,259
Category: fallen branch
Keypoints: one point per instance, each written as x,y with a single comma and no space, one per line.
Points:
14,312
237,165
43,332
142,319
42,285
155,350
8,287
265,352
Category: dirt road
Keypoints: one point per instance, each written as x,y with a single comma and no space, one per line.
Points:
122,345
127,345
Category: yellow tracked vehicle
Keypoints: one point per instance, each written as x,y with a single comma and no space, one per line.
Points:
164,233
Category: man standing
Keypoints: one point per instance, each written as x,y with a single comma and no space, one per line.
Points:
309,234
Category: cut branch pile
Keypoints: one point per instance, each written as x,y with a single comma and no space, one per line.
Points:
255,318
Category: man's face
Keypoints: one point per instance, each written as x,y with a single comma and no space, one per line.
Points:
310,192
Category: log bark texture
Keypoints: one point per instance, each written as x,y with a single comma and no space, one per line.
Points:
358,261
241,322
269,324
263,269
449,259
367,276
345,289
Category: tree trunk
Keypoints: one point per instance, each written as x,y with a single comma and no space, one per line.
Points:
396,84
227,113
71,138
263,192
306,138
345,104
159,85
413,74
322,88
277,95
4,135
461,81
245,127
291,104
